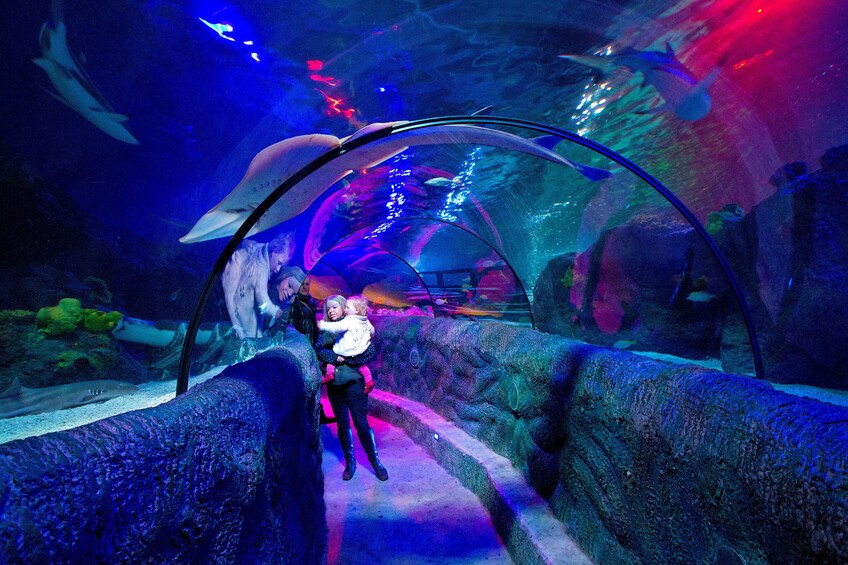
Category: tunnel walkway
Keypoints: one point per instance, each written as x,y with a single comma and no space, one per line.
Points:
446,497
421,515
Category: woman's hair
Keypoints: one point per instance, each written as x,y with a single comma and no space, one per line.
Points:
338,299
288,272
281,244
359,303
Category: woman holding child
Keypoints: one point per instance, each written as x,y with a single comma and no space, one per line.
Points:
345,346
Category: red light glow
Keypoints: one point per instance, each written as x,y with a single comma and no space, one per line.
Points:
751,60
336,106
326,80
314,65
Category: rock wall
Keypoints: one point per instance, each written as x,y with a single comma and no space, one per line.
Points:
228,473
642,460
790,254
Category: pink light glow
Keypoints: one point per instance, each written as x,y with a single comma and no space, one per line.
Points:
326,80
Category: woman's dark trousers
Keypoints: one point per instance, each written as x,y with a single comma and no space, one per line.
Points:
350,401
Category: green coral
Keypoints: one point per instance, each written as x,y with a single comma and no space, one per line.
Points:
69,314
97,321
61,319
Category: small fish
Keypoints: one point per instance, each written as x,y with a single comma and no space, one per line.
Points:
623,343
681,92
701,296
440,182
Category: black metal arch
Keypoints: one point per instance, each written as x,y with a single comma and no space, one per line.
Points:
352,144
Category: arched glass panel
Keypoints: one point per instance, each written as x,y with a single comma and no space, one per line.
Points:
604,280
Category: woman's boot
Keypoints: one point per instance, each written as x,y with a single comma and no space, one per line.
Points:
346,439
370,446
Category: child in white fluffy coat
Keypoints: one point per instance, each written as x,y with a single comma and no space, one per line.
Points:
354,333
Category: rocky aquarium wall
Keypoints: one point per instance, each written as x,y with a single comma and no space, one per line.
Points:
642,460
229,472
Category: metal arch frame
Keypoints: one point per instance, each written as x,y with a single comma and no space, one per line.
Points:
352,144
340,243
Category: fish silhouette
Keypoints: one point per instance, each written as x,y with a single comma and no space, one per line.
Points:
19,400
276,163
73,87
681,92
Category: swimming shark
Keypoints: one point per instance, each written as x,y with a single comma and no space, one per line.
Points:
19,400
73,87
681,92
276,163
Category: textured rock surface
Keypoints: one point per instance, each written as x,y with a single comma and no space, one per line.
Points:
797,243
643,461
229,472
788,253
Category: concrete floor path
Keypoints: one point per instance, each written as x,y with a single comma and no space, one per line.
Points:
421,515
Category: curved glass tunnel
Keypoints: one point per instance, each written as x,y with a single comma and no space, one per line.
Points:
454,272
598,285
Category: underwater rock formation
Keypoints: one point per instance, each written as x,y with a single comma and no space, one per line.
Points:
788,254
795,274
228,472
643,461
72,356
670,300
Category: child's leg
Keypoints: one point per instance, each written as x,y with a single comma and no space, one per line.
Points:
366,372
369,381
329,374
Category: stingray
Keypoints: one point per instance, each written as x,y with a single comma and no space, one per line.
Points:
19,400
276,163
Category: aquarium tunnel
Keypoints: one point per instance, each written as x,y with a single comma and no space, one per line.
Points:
602,246
464,274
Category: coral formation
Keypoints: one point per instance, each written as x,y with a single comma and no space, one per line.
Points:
71,359
61,319
69,314
39,360
98,321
